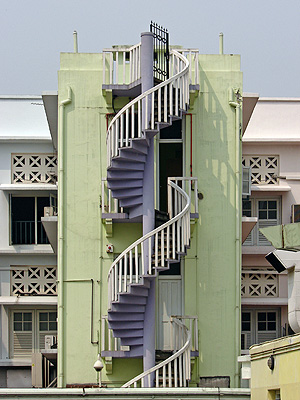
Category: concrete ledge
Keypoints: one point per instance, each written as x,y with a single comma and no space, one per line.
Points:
127,394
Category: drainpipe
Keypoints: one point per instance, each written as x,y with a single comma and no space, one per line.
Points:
60,357
234,93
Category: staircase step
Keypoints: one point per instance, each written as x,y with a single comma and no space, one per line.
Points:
144,282
125,316
132,341
126,154
138,290
127,192
119,175
131,299
131,201
127,308
125,184
128,333
120,325
139,146
126,165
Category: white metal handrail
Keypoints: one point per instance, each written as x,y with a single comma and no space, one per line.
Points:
108,341
108,203
166,241
190,186
193,56
192,324
122,128
124,65
176,370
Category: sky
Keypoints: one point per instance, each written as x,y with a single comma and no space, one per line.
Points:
265,33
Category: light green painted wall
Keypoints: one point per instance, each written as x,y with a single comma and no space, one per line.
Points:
211,268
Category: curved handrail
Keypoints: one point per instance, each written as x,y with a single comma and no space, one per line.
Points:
185,348
156,230
185,70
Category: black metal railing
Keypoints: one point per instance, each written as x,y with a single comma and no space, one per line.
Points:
23,232
161,52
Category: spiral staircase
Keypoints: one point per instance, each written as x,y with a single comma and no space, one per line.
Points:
130,275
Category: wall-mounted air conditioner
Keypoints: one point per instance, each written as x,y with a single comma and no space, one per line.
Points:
50,342
48,211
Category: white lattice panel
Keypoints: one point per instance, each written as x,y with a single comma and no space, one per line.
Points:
263,169
33,280
34,168
259,285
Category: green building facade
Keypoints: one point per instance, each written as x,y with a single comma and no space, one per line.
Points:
204,142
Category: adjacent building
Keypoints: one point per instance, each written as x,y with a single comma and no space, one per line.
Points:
271,145
28,267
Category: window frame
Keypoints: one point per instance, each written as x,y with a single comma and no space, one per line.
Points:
49,196
255,238
254,331
35,331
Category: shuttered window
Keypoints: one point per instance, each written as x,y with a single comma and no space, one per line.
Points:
22,334
259,326
29,329
268,213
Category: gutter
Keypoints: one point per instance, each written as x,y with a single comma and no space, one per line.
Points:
60,260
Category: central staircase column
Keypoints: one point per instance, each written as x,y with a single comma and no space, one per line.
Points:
148,205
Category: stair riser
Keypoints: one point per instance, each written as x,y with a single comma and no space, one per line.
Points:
119,325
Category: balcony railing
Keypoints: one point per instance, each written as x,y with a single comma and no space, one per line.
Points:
33,280
264,169
28,232
34,168
259,283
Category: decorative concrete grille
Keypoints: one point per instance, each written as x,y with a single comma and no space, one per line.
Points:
258,284
34,281
263,169
34,168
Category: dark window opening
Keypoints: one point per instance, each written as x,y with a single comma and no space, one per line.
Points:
26,224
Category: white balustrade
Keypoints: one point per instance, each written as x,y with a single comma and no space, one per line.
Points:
175,371
121,128
121,65
108,341
108,203
129,267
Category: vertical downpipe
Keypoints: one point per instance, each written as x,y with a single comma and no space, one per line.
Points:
148,205
60,357
238,164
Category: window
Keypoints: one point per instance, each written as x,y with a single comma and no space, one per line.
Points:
259,326
268,213
29,329
26,224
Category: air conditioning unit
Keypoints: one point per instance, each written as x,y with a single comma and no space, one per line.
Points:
246,180
48,211
295,213
50,342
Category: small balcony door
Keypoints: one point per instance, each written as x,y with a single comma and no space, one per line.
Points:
169,303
